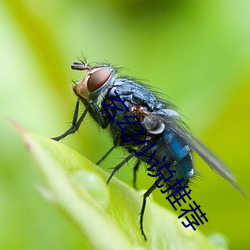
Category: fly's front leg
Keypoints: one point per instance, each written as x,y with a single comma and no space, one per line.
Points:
75,124
97,114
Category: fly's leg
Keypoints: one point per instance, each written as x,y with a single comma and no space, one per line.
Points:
116,168
98,115
145,196
75,124
132,154
135,169
105,155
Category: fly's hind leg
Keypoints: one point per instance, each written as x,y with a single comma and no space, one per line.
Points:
135,169
145,196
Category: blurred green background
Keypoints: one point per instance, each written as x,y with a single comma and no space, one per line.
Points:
196,52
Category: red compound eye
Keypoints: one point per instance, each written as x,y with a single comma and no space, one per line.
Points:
97,79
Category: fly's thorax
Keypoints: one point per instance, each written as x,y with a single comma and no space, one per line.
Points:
94,85
152,125
154,122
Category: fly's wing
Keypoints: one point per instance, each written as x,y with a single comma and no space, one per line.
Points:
176,125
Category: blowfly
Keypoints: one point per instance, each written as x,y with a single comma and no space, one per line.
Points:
161,133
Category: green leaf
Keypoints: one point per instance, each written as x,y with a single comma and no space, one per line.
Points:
106,216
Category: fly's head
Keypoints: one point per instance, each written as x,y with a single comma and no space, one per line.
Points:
93,84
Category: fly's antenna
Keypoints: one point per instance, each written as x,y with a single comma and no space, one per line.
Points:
80,66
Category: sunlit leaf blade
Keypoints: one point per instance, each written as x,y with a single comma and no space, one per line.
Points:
106,216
